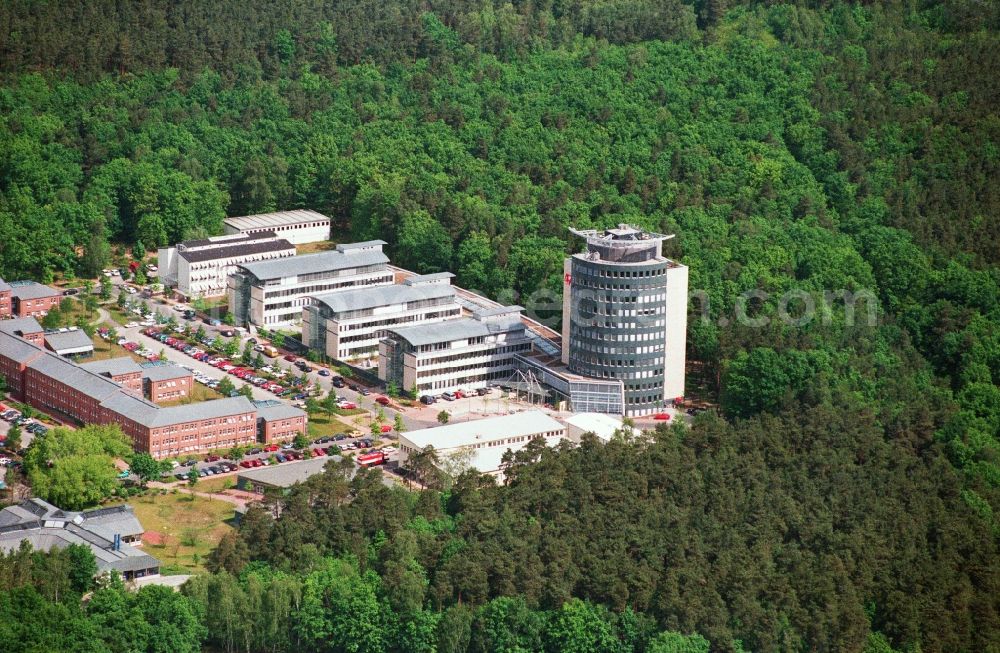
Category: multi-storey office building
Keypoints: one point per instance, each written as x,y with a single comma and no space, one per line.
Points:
348,325
298,227
462,354
201,268
273,293
31,299
625,316
77,393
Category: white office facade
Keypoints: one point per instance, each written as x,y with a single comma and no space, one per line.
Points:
297,227
348,325
274,293
201,268
462,354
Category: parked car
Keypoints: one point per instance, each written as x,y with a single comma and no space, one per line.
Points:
382,399
290,358
427,400
212,458
386,428
448,396
337,381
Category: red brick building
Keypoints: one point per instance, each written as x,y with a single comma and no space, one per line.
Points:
5,300
278,421
31,299
124,371
26,328
166,382
89,394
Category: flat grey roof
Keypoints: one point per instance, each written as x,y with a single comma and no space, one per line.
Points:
276,219
375,296
462,434
163,372
22,324
71,341
18,349
364,244
90,384
287,474
418,279
31,290
113,366
4,285
268,411
45,526
291,266
450,330
226,239
496,311
137,409
238,249
426,334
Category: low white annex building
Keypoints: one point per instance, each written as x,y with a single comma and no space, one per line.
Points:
602,425
481,443
200,268
297,227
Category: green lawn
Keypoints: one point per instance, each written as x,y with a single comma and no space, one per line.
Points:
198,393
188,527
104,350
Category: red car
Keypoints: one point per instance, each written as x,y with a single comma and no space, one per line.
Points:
256,462
459,394
271,447
382,399
386,428
662,416
212,458
246,464
290,358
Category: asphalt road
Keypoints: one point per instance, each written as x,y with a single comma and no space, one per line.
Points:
415,418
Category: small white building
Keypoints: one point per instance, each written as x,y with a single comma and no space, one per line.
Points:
348,325
481,443
462,354
273,293
298,226
200,268
602,425
69,341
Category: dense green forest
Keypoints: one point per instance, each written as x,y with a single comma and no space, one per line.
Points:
850,484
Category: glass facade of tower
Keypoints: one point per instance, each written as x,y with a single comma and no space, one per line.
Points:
617,315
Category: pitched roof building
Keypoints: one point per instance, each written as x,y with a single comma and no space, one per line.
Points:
110,533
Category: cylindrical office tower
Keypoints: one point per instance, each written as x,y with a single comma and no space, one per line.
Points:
625,316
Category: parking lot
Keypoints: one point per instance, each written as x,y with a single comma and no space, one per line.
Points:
273,454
